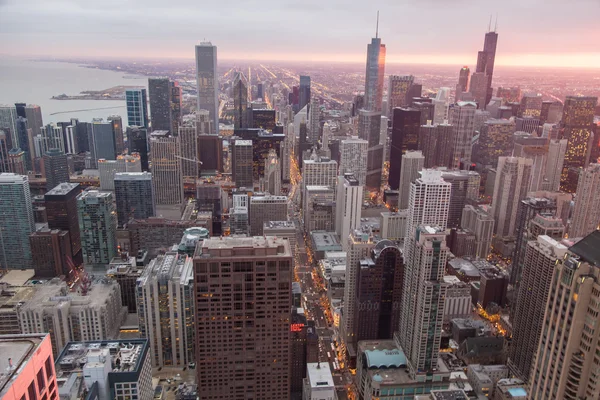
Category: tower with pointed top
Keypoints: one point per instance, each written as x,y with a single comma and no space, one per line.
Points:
375,72
486,59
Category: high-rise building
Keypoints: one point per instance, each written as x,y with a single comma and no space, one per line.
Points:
29,371
26,140
33,114
18,162
535,148
353,158
167,176
374,75
554,164
50,137
531,105
369,126
165,300
463,83
541,257
239,219
577,127
348,206
511,186
137,107
319,171
412,164
406,124
586,213
465,187
208,197
137,140
485,62
509,94
61,211
435,142
262,334
440,103
176,96
159,90
240,101
564,366
103,140
56,168
398,88
318,383
272,178
393,225
304,92
134,196
98,226
208,82
4,149
478,89
51,253
495,140
314,122
16,221
188,148
463,114
241,164
117,126
108,168
8,122
319,208
480,223
266,208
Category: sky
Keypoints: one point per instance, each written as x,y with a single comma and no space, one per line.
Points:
531,32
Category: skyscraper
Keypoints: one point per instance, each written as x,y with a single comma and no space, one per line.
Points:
554,164
319,208
16,221
304,92
33,114
4,149
102,139
134,196
465,187
272,178
137,141
61,209
266,208
565,365
314,122
511,186
167,176
463,82
98,225
586,213
240,101
435,141
108,168
137,107
51,253
353,158
463,114
531,105
406,124
208,82
577,127
159,90
257,328
495,140
348,206
8,121
369,127
480,223
117,126
412,164
56,168
188,148
441,102
241,164
374,74
165,297
50,137
398,88
486,60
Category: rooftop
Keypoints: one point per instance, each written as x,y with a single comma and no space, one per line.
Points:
279,225
16,351
450,394
243,244
588,248
171,266
319,375
17,277
324,239
133,176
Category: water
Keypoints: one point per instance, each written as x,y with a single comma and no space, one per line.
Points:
32,82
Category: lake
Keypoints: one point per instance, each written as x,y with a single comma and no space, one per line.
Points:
35,82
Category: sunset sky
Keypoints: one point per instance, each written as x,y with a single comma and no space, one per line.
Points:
531,32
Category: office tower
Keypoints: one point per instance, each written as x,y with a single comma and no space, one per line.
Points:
319,171
263,334
208,196
188,147
397,92
577,127
299,330
210,150
33,114
50,137
98,225
167,177
165,296
117,127
240,101
554,164
239,220
551,112
137,107
262,143
441,101
406,124
463,83
4,148
435,142
412,163
102,140
17,162
379,293
138,143
56,168
531,105
61,210
272,178
51,253
541,257
208,82
83,130
241,164
465,187
348,206
8,122
485,62
374,74
176,117
319,208
304,92
479,119
16,221
427,109
463,114
535,148
314,127
353,158
527,124
108,168
586,213
511,186
282,229
414,92
26,141
266,208
134,196
564,366
478,89
159,90
509,94
481,223
29,368
369,126
495,140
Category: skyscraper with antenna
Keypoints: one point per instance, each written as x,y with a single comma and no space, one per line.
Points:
375,72
486,59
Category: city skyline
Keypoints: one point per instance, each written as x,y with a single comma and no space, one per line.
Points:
440,40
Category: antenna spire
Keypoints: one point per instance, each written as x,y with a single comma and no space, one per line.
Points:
377,26
496,24
490,24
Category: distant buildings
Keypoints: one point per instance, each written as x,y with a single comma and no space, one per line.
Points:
137,107
398,88
207,82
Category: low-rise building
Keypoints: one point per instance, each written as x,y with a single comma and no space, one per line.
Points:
483,378
318,384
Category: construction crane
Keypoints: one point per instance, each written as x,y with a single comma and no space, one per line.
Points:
190,159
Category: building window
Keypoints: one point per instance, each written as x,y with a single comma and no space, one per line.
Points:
31,392
40,379
49,369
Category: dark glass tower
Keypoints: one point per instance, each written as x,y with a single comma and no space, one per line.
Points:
138,143
56,168
304,92
160,104
406,124
486,60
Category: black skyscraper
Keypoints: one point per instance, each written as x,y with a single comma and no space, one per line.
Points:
138,143
486,59
406,124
